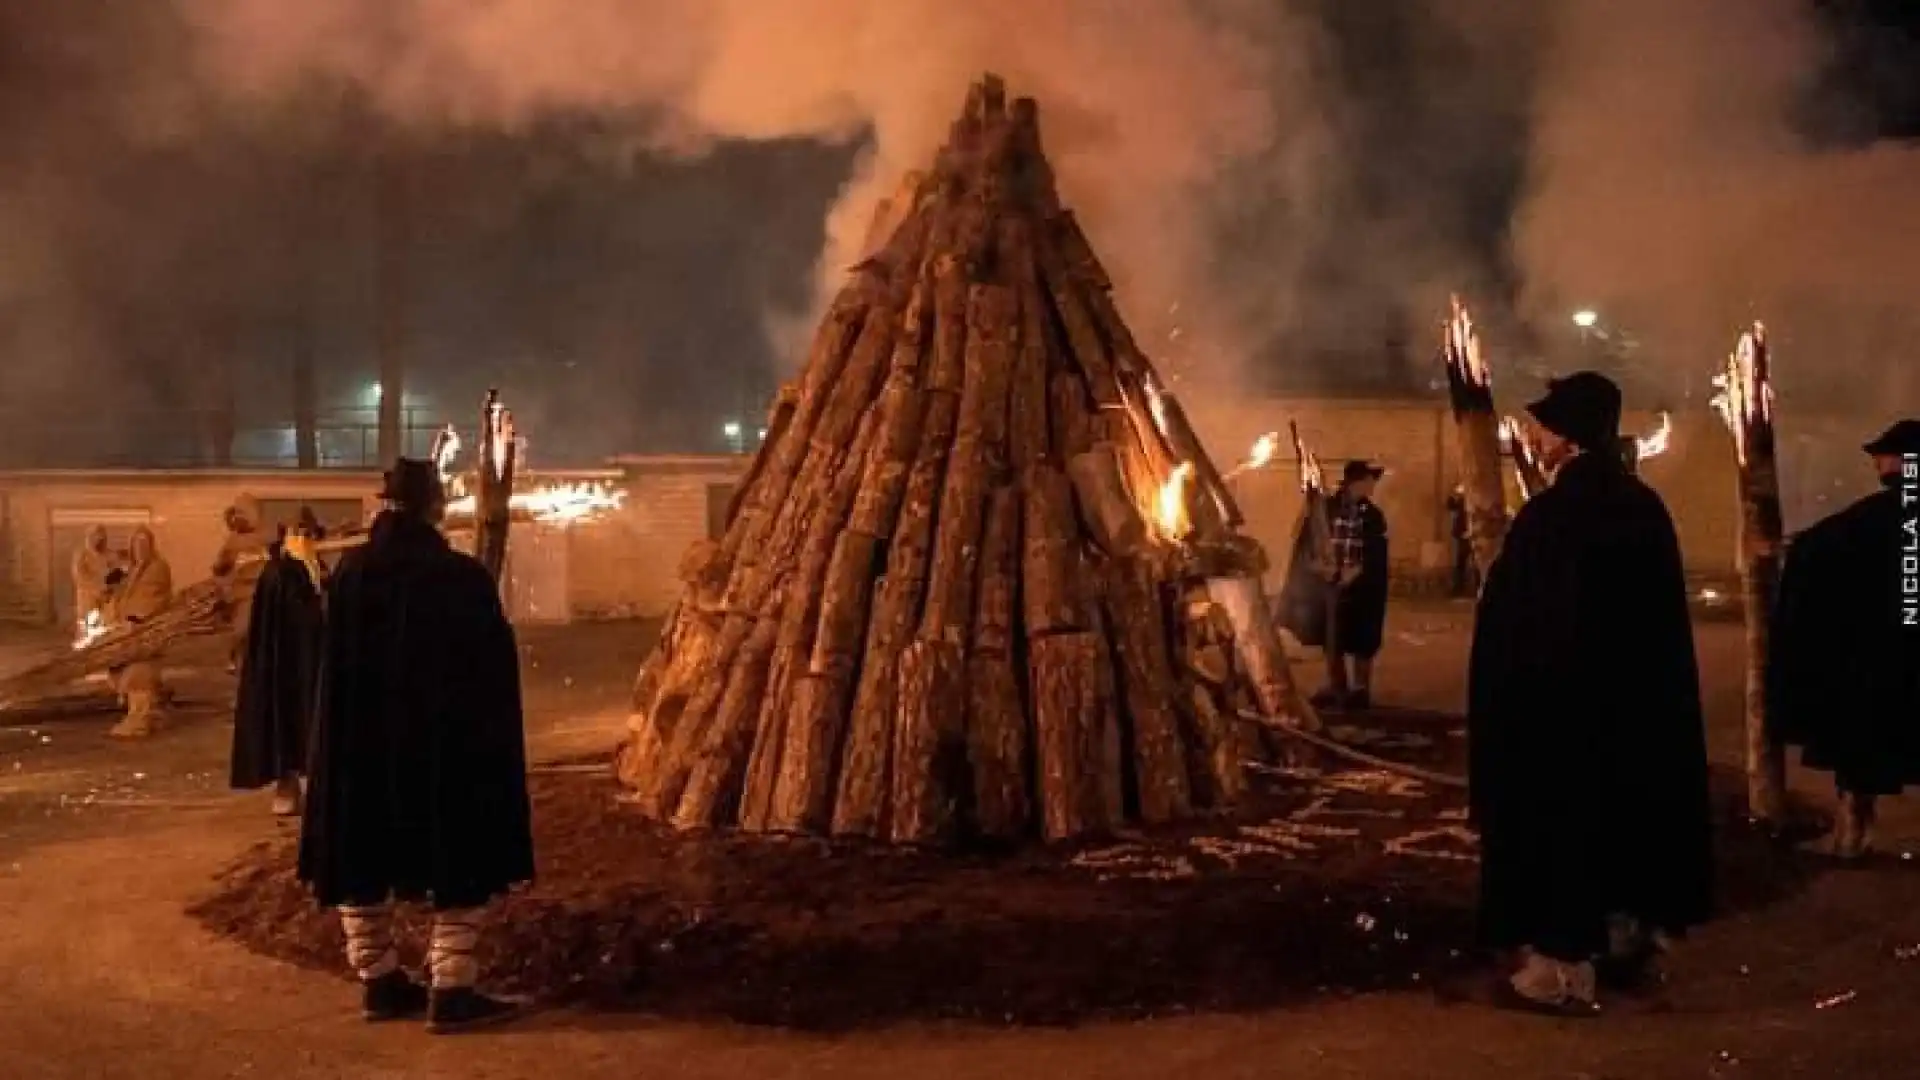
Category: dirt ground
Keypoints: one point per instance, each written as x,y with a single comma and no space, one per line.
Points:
1266,964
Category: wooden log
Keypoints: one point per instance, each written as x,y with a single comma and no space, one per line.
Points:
977,456
1074,421
802,794
1115,755
877,506
779,422
1084,344
996,721
948,370
658,795
860,804
1029,439
1262,657
715,770
1078,256
799,622
932,716
1218,770
1068,733
1136,619
1750,412
1053,594
1100,487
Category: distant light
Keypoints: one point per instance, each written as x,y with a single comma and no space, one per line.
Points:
732,430
763,434
1585,320
373,390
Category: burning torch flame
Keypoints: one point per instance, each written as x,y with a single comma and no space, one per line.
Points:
1156,405
561,504
1172,502
1264,448
1746,394
446,448
91,628
1655,444
1463,347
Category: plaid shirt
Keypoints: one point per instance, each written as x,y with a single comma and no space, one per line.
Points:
1345,526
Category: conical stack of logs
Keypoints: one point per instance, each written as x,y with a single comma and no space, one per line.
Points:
981,582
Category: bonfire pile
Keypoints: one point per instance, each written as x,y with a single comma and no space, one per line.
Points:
981,580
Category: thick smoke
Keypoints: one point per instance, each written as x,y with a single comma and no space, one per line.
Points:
1157,115
1670,190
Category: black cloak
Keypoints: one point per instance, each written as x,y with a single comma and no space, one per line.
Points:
418,785
273,715
1587,741
1843,671
1361,615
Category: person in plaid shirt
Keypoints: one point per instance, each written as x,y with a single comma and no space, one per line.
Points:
1358,596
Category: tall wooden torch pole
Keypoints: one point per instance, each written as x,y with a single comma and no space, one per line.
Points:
1470,391
493,489
1746,404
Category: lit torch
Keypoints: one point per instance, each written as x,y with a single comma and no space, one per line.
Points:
1527,470
1260,456
1655,443
1470,391
1745,403
91,628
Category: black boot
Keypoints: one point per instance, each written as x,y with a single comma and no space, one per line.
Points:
464,1009
393,996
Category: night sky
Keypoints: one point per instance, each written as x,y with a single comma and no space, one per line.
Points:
158,237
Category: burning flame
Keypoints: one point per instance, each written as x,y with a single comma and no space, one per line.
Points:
1156,405
446,448
1654,444
91,629
1746,393
1463,347
1171,504
499,436
1264,448
554,504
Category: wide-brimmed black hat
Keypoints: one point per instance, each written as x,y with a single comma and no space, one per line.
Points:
1361,470
412,484
1902,438
1583,408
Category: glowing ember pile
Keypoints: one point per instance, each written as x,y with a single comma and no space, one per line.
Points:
1745,400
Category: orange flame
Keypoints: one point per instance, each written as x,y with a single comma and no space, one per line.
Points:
1655,443
560,504
1171,503
1746,393
1463,347
1264,448
91,629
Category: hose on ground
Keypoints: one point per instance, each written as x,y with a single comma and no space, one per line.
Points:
1342,750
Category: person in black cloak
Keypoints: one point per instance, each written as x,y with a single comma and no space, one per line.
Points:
1338,601
1587,743
418,786
279,674
1843,664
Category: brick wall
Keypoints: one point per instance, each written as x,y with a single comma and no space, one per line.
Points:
627,563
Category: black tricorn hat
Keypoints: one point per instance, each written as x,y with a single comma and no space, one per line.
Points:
1361,470
1902,438
412,484
1583,408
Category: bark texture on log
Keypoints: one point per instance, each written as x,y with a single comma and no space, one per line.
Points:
1761,541
932,717
1069,733
1136,614
996,718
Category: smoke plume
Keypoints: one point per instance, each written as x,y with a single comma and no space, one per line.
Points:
1155,113
1670,189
